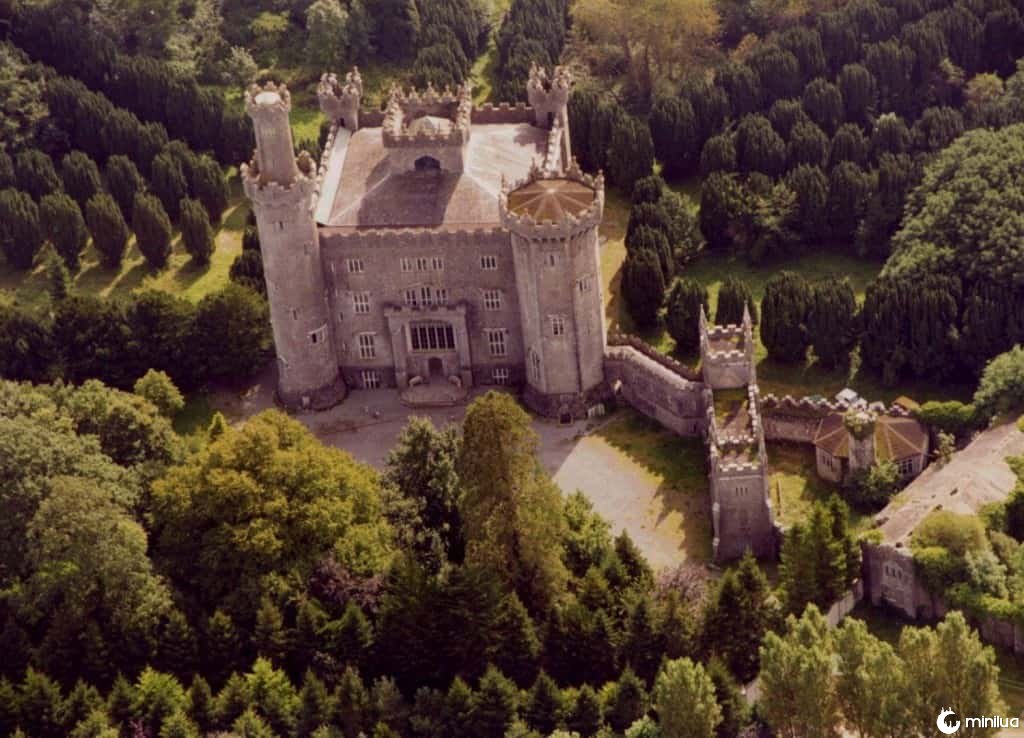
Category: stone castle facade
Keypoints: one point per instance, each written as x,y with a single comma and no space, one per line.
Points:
438,242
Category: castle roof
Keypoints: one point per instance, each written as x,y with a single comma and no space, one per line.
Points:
551,199
363,192
895,438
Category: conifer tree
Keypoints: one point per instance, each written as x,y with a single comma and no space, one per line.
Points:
218,426
178,649
735,710
627,701
784,315
233,699
210,188
494,705
352,703
268,636
41,704
21,234
7,178
64,227
178,725
516,646
121,701
123,182
108,229
196,234
152,230
81,177
733,295
350,638
544,708
222,647
684,697
458,708
674,133
58,277
201,707
305,637
643,287
36,174
819,558
316,707
832,321
630,153
82,701
682,312
168,183
641,645
586,714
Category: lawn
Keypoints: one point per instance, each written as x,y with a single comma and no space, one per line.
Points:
179,277
887,626
678,465
794,485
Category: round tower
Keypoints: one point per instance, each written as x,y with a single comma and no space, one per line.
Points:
340,101
281,187
553,220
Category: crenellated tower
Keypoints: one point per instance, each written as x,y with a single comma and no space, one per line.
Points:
339,100
549,95
281,187
553,220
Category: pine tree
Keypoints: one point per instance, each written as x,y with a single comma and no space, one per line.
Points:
178,725
178,649
233,699
350,638
218,426
196,234
81,177
82,701
64,227
121,701
544,706
494,705
641,645
783,317
516,647
458,708
627,701
108,229
832,321
268,636
201,707
684,698
586,714
733,296
682,313
305,638
210,188
352,704
21,234
643,287
152,230
316,707
123,182
735,711
41,704
36,174
222,647
168,183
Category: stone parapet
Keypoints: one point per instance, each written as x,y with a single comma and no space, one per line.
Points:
403,107
571,225
819,407
625,339
489,113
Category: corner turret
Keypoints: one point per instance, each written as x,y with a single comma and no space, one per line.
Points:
281,187
340,101
549,96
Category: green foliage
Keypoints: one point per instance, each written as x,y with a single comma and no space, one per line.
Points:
511,510
956,418
57,276
158,388
64,227
643,286
108,229
152,230
397,24
21,234
516,648
327,26
823,103
956,532
210,188
630,153
683,308
196,234
1001,388
758,147
733,296
784,311
674,133
294,514
820,558
231,333
870,489
808,145
684,697
494,705
35,174
832,321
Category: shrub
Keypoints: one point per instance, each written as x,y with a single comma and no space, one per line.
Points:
955,532
158,388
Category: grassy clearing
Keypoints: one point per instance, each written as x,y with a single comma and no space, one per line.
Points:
887,626
794,485
180,276
679,463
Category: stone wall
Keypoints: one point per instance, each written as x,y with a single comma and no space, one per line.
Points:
655,390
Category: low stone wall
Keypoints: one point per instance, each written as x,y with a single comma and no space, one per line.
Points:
845,604
655,391
795,429
676,367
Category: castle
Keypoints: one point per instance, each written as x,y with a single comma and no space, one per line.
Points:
438,242
444,244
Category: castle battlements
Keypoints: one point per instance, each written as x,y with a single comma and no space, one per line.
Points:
552,205
412,238
340,100
821,407
277,194
428,119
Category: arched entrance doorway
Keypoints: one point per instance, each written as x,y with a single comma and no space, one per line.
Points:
435,366
427,164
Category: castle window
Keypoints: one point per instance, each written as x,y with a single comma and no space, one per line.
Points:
422,264
534,366
295,314
355,266
585,284
432,337
496,341
489,262
501,375
407,265
437,263
361,303
557,325
412,297
370,378
551,258
492,299
441,295
319,335
280,225
906,467
367,346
